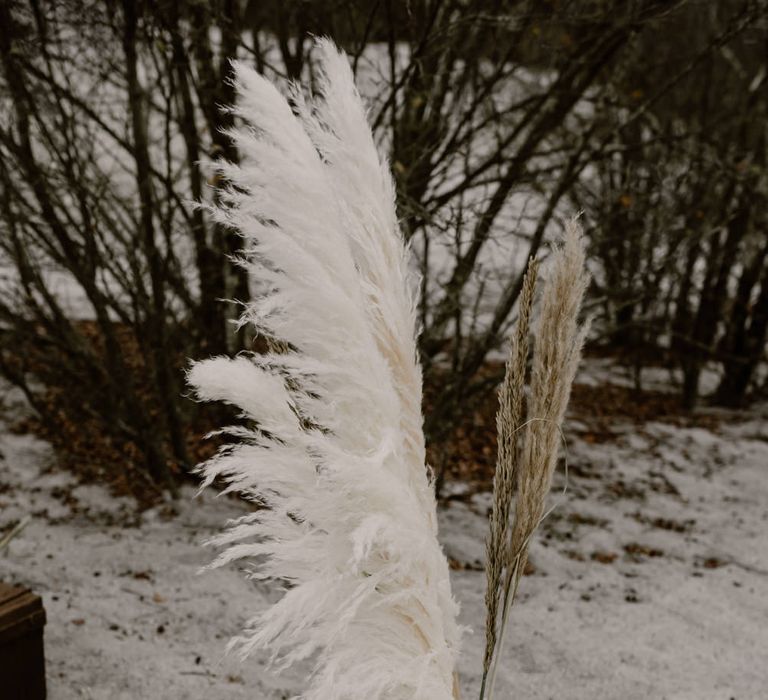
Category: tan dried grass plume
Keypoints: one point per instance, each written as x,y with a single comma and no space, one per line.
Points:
559,341
509,418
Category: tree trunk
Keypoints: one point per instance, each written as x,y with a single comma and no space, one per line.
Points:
156,329
746,353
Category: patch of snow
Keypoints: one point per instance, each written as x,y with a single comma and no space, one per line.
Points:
650,578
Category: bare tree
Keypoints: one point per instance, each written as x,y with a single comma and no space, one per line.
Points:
499,119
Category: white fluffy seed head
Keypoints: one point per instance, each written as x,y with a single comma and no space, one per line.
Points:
333,443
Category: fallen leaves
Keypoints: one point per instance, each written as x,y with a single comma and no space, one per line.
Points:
713,563
637,552
604,557
665,523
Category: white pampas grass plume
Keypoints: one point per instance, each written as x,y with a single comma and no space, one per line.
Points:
559,341
334,448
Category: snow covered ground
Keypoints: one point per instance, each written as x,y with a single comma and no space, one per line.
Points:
650,579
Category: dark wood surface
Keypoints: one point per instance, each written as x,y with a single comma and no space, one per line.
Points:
22,664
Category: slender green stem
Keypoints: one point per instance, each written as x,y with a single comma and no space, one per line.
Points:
482,685
512,581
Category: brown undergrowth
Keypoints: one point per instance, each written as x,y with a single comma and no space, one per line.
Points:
467,456
81,444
